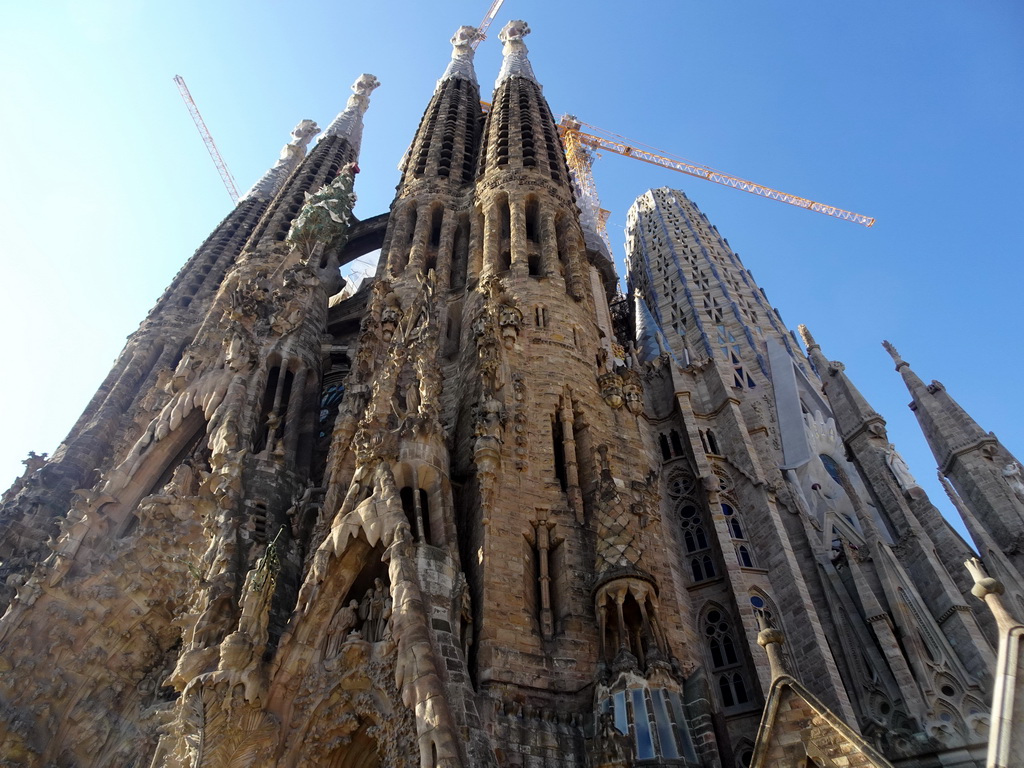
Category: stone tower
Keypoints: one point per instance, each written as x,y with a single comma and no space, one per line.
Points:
484,511
792,508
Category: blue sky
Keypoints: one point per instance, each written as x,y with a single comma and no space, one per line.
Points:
908,111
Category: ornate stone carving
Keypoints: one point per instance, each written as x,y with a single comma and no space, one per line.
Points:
291,156
611,389
349,122
632,391
510,320
461,65
326,215
1011,475
514,62
899,468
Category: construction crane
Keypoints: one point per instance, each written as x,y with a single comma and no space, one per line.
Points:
222,168
481,31
579,146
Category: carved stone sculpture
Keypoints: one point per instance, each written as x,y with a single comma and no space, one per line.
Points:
900,469
327,214
1011,473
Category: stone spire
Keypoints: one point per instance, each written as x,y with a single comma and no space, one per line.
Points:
986,476
515,63
291,155
461,65
445,144
948,428
349,122
852,410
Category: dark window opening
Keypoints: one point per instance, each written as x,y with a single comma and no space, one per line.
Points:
425,517
663,442
713,443
532,221
558,444
435,226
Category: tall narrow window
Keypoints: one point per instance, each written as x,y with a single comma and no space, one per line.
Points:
744,552
558,446
696,543
666,454
725,658
677,444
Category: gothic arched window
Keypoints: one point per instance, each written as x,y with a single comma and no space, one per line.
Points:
726,665
702,568
695,538
696,542
744,552
733,521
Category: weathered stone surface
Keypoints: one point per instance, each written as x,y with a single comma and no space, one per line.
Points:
485,511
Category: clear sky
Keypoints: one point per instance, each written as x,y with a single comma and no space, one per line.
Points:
908,111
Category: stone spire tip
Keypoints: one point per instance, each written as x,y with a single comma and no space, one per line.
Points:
809,341
349,122
463,50
291,155
515,62
900,362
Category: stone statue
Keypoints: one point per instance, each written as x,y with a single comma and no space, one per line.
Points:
366,616
342,624
1012,475
490,418
510,320
611,389
33,462
466,619
900,469
374,627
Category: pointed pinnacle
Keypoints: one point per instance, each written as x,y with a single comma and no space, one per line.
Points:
463,48
809,341
900,362
514,62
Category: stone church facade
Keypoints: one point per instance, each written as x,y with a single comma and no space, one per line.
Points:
487,511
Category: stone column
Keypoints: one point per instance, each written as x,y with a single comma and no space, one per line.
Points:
446,248
492,239
548,244
517,214
418,249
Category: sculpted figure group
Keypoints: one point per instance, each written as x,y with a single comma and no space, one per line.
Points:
367,619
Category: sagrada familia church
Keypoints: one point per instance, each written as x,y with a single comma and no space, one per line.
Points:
486,510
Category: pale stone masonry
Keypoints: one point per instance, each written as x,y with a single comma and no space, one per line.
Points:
486,511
